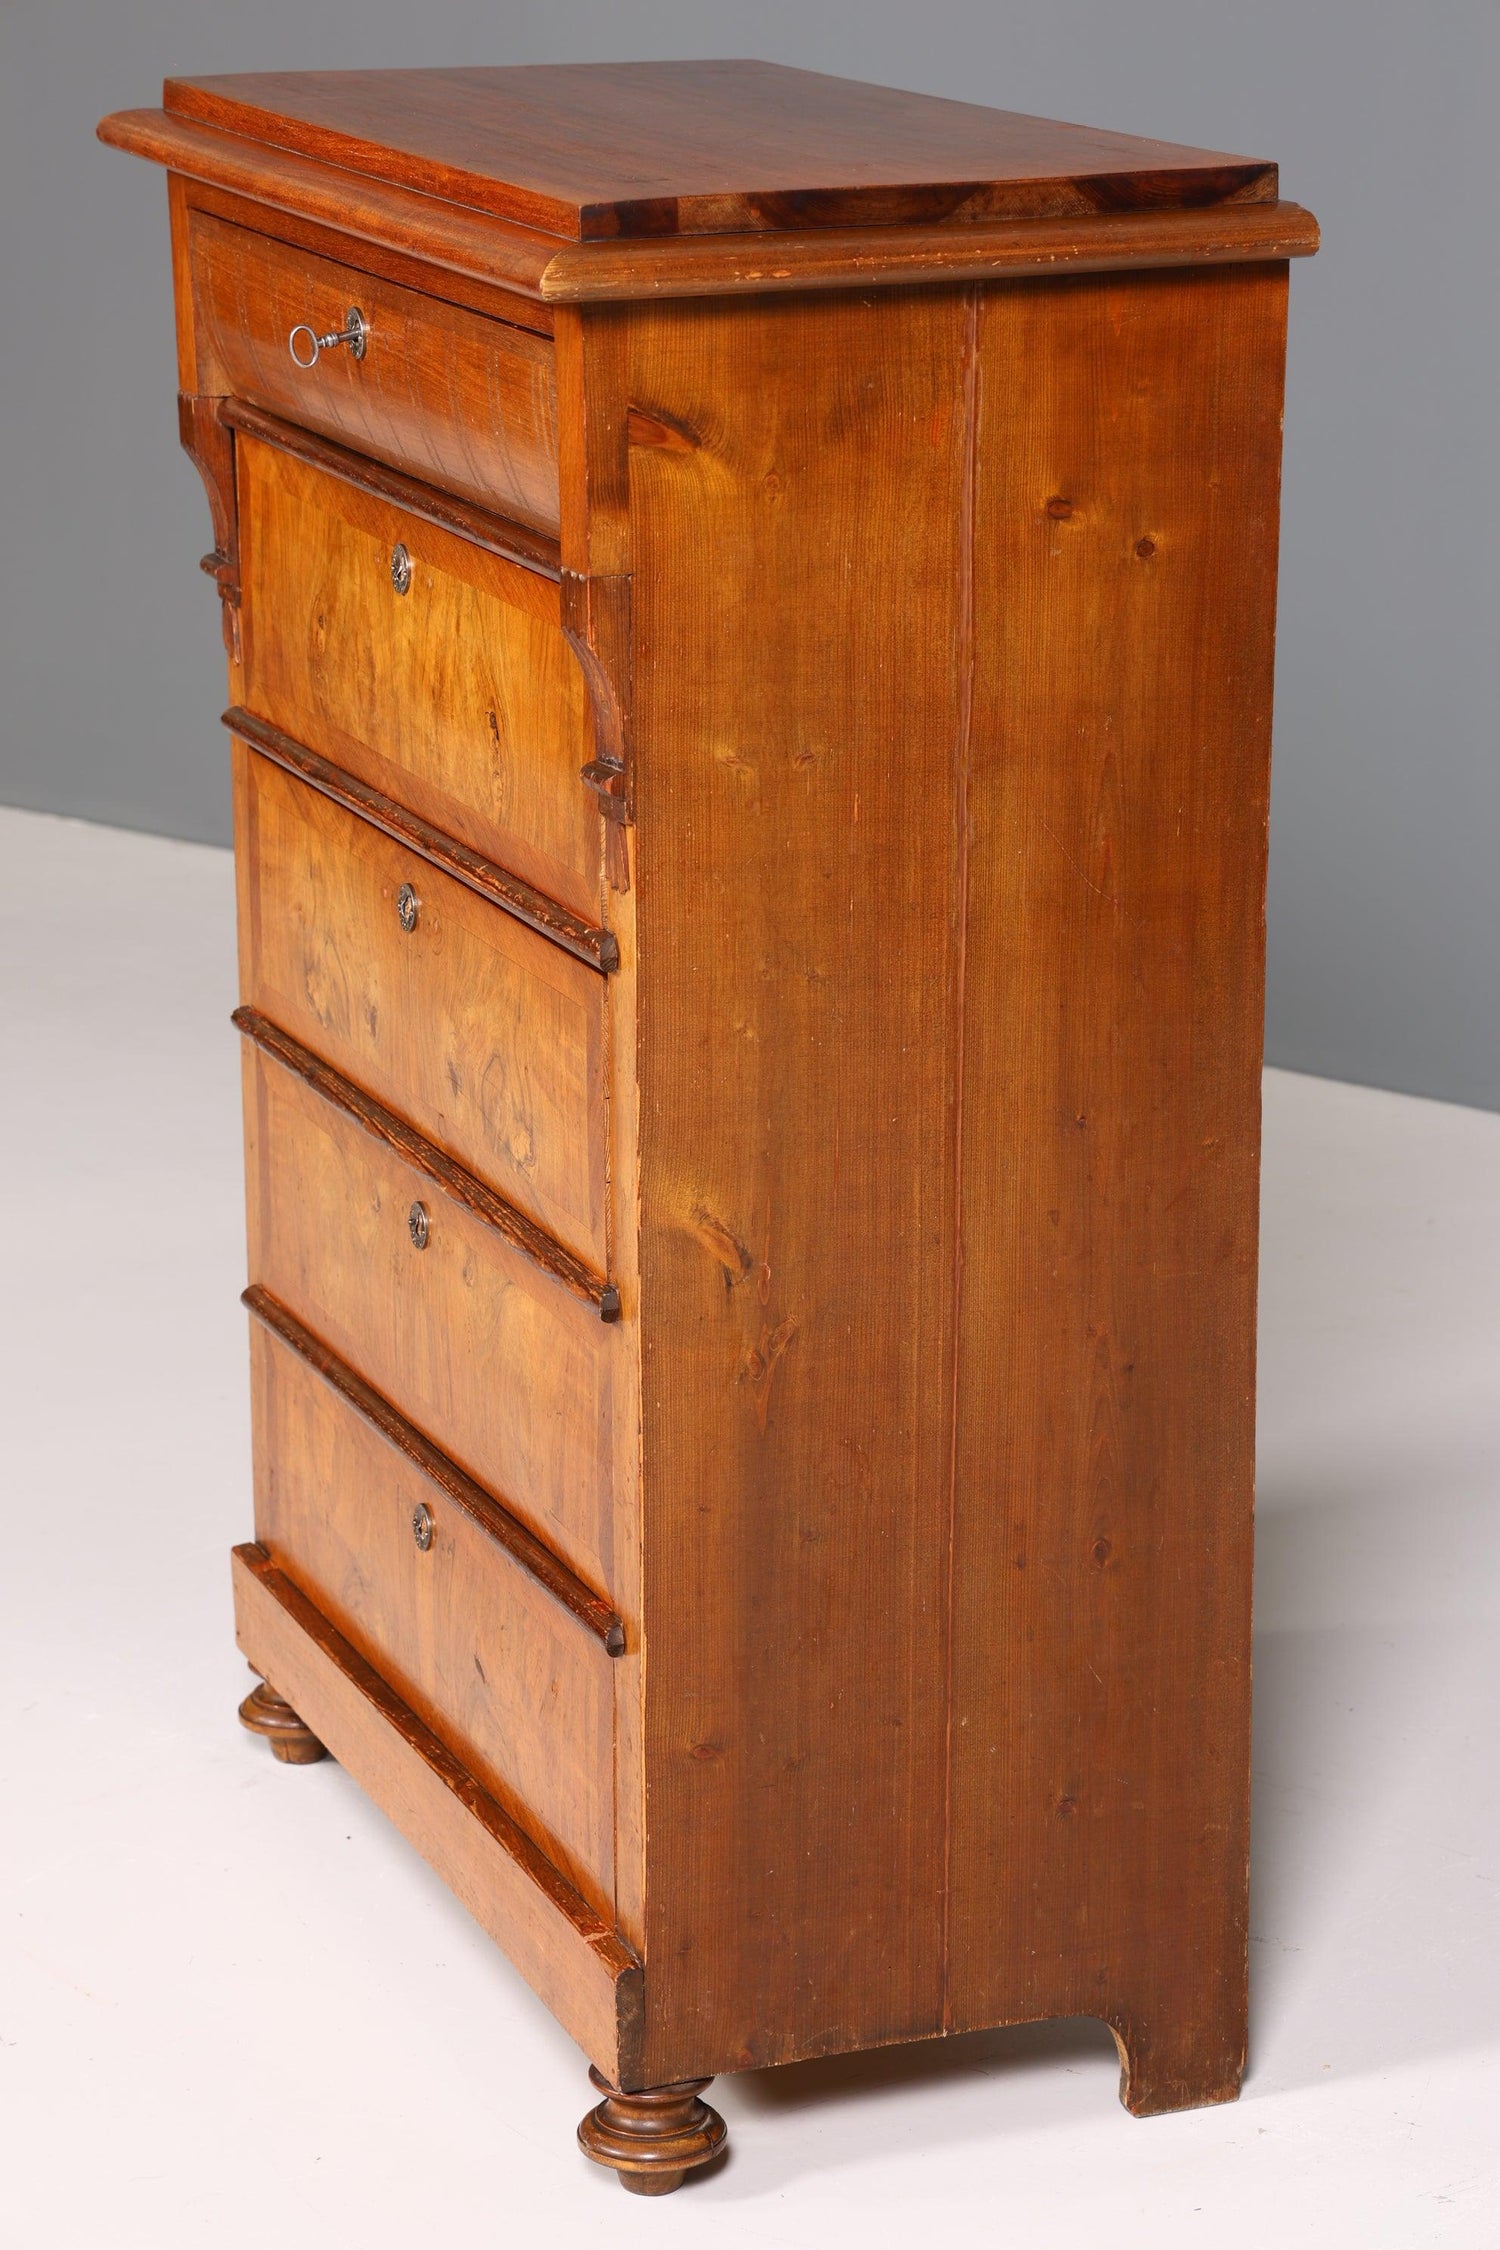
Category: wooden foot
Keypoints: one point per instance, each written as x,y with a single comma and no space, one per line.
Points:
655,2138
1158,2076
264,1712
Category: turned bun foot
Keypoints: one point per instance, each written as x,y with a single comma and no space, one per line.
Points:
265,1712
655,2138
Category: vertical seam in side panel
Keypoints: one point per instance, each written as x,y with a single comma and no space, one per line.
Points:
961,912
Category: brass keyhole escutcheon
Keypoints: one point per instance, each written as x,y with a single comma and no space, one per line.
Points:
408,906
401,568
418,1226
421,1525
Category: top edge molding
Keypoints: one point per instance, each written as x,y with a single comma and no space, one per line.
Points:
554,272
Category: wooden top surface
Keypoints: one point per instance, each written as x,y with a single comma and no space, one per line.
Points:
590,151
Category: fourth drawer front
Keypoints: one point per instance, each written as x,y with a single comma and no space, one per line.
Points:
511,1372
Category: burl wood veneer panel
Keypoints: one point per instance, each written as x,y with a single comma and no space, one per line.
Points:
486,1036
460,698
484,1655
507,1370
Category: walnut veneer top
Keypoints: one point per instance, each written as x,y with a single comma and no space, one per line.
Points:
596,150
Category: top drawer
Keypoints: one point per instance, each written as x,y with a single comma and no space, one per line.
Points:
449,396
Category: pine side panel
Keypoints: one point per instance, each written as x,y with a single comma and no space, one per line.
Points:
798,478
1126,520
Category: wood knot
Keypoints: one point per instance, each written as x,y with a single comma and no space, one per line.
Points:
1145,549
1059,509
664,432
760,1363
721,1242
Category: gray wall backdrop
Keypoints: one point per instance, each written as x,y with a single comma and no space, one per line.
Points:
1385,909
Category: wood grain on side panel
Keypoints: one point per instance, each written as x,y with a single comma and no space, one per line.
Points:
440,392
487,1037
1126,536
797,914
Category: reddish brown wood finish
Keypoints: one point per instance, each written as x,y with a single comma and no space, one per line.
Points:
499,535
1125,598
600,149
528,1553
361,254
486,1036
420,1572
472,1340
208,440
799,922
440,393
653,2139
556,272
567,1950
267,1714
422,1156
459,698
599,948
863,1607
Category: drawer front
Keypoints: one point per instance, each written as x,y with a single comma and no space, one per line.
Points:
487,1037
499,1670
449,396
502,1366
459,698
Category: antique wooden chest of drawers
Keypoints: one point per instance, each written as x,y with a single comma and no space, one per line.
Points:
749,605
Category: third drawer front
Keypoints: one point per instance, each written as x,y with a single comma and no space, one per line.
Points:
505,1368
516,1686
486,1036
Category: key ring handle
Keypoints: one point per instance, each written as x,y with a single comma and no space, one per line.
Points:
355,333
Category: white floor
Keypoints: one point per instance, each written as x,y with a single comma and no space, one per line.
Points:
236,2010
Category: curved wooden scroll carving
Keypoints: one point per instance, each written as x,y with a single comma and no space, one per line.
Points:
209,444
596,619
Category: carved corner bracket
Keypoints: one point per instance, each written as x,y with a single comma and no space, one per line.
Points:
596,621
208,442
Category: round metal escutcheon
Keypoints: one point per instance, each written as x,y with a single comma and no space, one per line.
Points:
418,1226
421,1525
408,906
401,568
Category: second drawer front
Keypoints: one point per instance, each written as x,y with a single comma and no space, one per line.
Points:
501,1365
488,1038
460,697
515,1686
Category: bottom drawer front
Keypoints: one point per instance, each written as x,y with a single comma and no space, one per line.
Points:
498,1669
